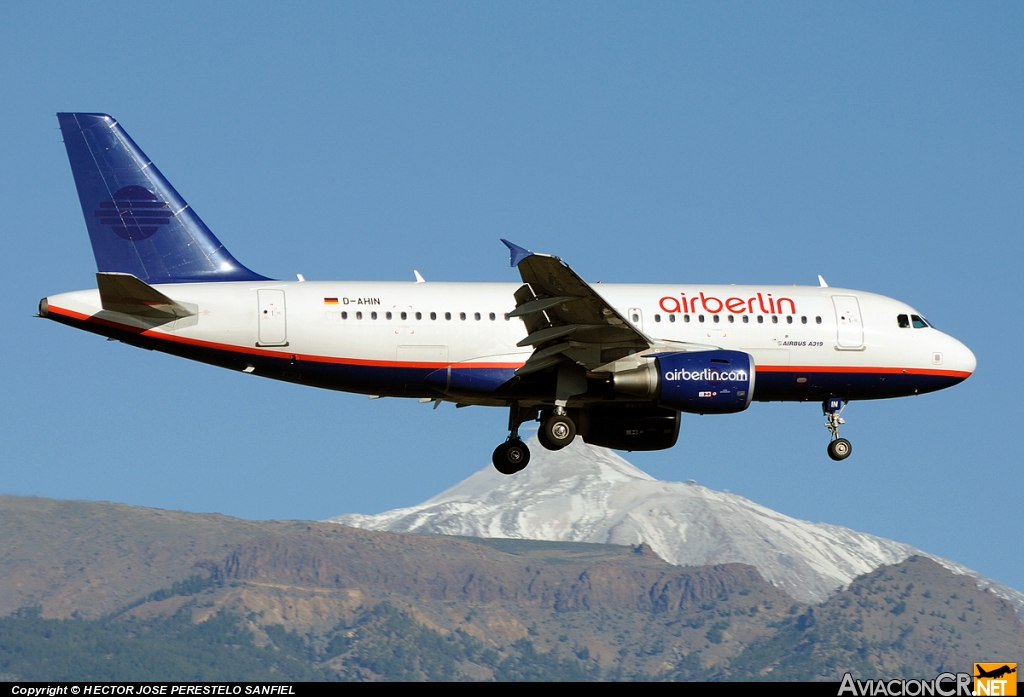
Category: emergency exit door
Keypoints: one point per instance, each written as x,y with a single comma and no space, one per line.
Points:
849,327
272,318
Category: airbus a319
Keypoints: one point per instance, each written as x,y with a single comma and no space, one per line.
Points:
613,364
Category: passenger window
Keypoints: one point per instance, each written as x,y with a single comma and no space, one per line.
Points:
636,318
433,315
803,320
789,319
919,322
373,315
671,318
657,318
404,316
760,319
462,315
419,315
903,321
344,315
492,316
817,320
746,319
775,319
700,318
447,315
716,319
387,316
476,315
731,319
686,318
359,315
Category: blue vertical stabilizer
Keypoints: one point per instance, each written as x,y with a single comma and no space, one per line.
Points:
137,222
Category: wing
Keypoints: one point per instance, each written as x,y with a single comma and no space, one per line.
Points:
566,319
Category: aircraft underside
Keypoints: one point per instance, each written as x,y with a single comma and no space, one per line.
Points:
599,415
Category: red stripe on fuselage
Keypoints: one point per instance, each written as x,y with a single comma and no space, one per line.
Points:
860,369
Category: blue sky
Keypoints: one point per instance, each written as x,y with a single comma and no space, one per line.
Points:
877,144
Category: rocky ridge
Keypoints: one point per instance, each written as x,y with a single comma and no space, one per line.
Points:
589,494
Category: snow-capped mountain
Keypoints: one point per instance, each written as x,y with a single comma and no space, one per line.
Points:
589,494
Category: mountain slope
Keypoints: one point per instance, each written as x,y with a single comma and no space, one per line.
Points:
309,599
589,494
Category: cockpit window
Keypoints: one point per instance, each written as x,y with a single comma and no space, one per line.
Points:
919,322
904,321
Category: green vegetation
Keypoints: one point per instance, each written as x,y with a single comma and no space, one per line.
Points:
383,643
32,648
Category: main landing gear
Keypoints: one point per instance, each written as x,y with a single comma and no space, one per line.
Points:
838,448
513,456
557,430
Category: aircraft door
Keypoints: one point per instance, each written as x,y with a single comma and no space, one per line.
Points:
272,319
850,328
636,318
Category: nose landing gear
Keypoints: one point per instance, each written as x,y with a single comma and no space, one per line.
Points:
838,448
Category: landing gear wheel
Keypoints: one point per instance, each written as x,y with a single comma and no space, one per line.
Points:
556,432
839,449
511,456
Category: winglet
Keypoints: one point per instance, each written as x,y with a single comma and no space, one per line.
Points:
516,253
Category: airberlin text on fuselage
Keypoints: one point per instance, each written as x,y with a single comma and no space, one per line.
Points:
763,302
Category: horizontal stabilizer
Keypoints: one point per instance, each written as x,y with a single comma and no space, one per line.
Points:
124,293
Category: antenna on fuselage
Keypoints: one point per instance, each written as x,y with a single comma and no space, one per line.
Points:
419,279
821,282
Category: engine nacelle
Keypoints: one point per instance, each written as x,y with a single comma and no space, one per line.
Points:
628,427
698,382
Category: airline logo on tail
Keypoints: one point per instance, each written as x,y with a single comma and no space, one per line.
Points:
134,213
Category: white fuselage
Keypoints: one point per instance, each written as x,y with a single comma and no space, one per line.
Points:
388,329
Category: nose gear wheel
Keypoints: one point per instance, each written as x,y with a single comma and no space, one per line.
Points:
838,448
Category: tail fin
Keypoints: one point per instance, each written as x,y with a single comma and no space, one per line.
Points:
137,222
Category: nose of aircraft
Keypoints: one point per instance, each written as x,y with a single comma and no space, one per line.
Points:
960,358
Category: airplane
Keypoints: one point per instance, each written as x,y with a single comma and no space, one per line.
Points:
995,673
614,364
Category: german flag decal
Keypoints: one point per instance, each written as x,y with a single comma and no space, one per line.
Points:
330,301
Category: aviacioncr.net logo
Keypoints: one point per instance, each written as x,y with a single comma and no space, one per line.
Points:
944,685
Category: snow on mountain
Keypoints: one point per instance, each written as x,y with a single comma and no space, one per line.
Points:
589,494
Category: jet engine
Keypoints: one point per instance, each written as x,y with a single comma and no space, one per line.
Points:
697,382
